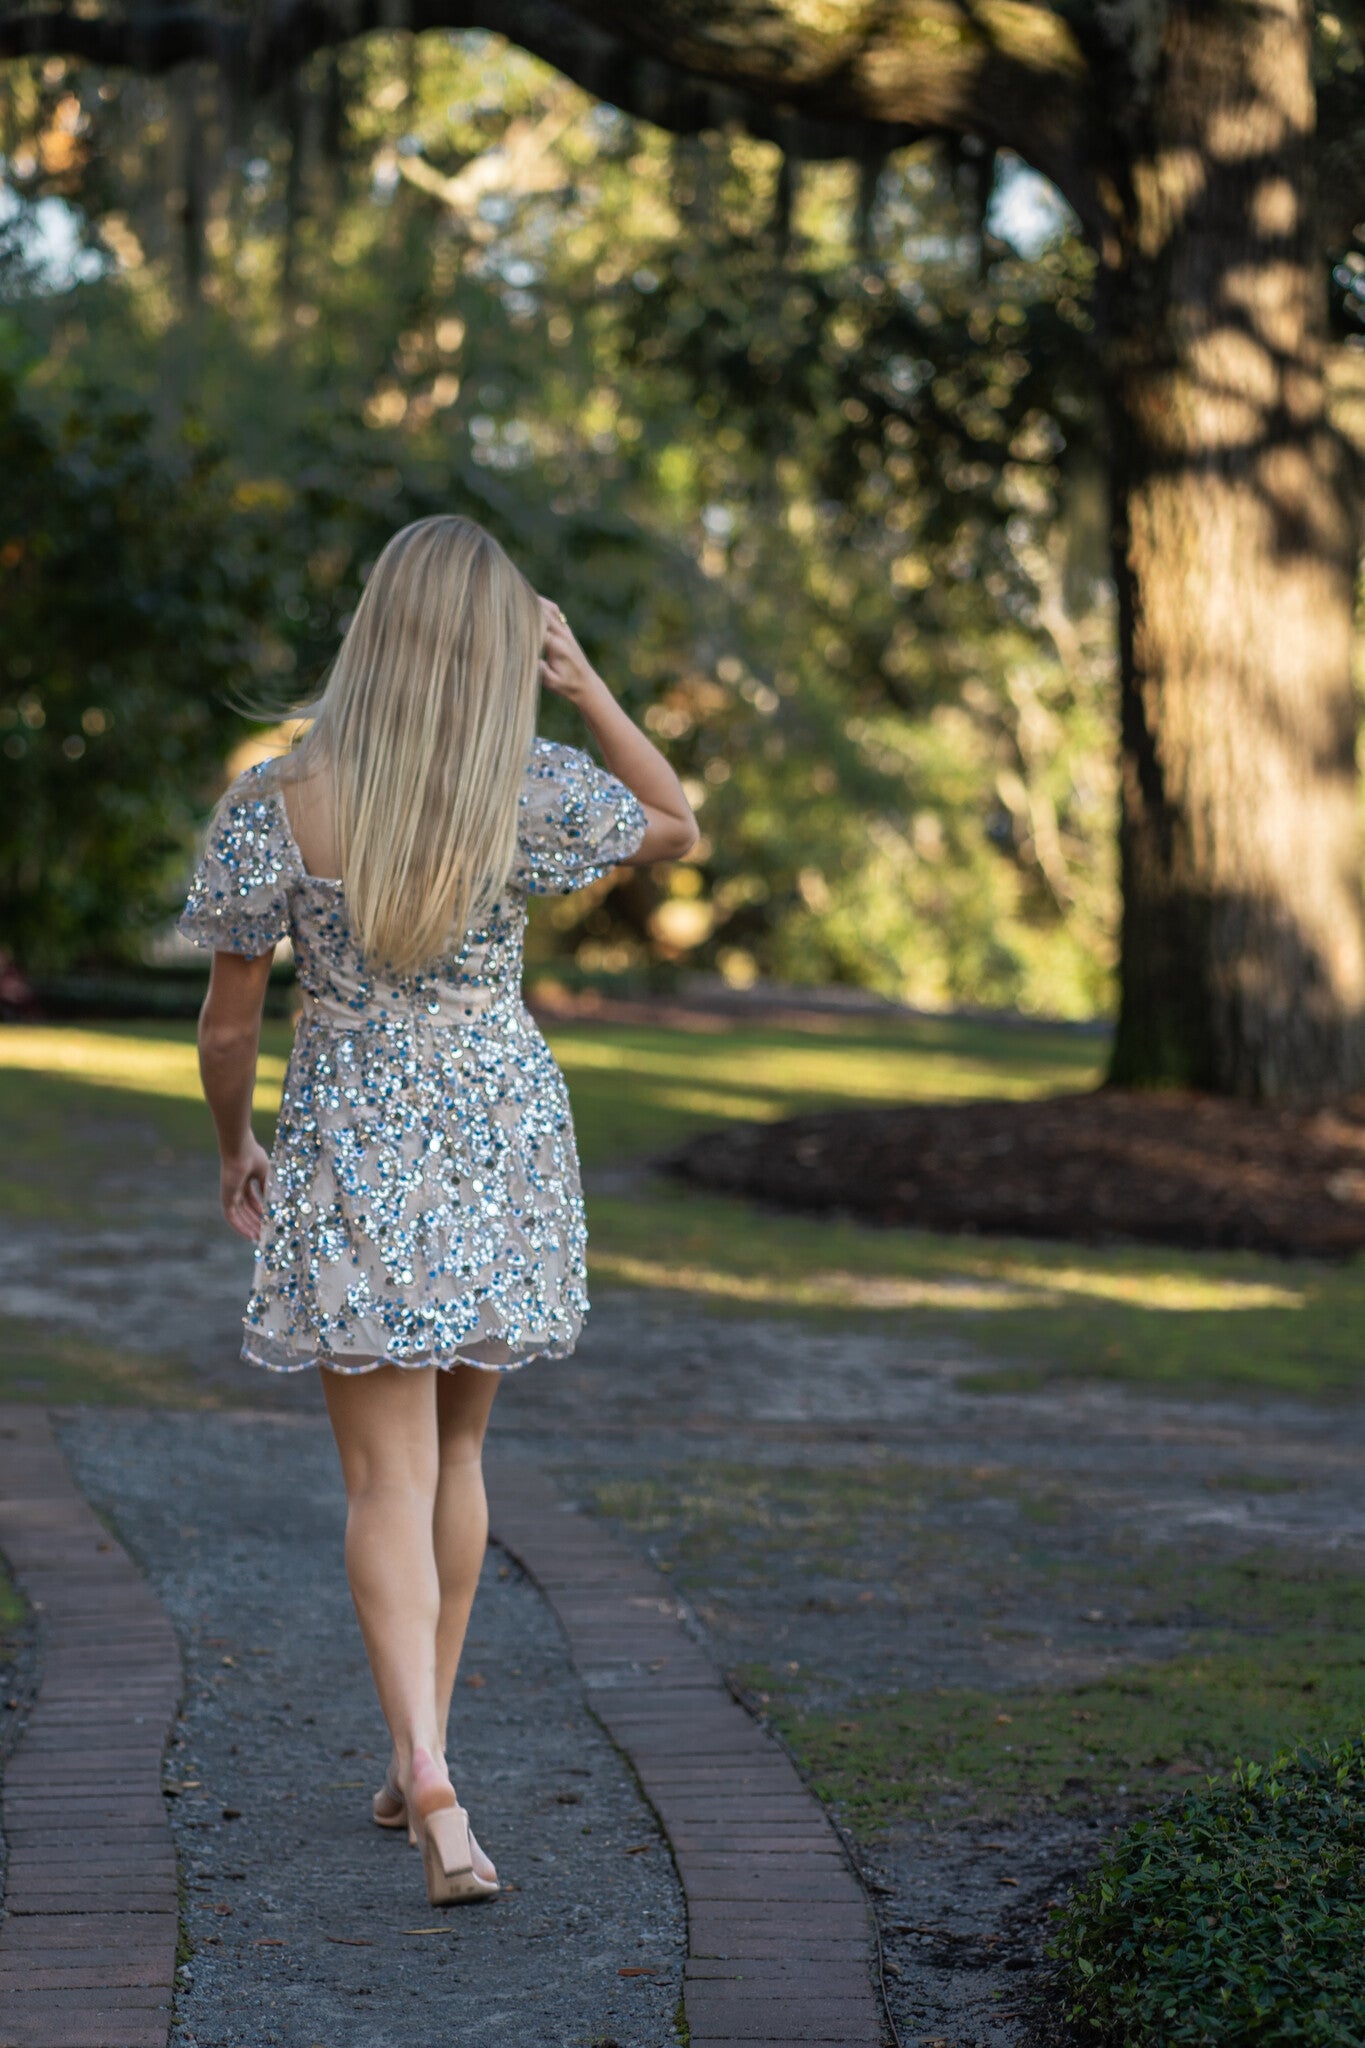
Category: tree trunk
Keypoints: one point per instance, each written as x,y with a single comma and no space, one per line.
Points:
1243,951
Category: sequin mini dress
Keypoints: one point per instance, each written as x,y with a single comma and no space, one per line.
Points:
423,1206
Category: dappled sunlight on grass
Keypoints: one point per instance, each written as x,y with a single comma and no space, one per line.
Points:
1187,1322
1006,1284
1176,1293
640,1088
86,1106
806,1290
139,1062
904,1063
38,1363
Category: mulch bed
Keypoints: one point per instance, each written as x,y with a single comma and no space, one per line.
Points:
1176,1169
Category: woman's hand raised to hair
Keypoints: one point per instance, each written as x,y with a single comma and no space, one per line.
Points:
564,667
628,753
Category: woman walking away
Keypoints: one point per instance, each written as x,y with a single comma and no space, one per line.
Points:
419,1224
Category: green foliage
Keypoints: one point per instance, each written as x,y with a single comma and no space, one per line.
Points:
130,583
808,467
888,495
1236,1914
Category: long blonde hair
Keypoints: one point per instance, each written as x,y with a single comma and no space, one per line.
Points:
425,725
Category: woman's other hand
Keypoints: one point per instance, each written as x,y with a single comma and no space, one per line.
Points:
242,1189
229,1037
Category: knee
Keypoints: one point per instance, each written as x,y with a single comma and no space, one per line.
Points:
394,1490
461,1448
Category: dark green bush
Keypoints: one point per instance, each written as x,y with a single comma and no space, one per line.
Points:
1235,1914
135,595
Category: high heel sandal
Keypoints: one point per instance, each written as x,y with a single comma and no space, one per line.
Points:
448,1845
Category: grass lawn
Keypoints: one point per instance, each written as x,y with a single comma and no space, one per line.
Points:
1221,1651
85,1108
1136,1736
13,1614
12,1607
1259,1649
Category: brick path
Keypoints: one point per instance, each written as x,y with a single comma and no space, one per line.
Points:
87,1945
779,1931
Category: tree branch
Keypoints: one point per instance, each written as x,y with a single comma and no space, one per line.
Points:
874,75
1010,71
606,65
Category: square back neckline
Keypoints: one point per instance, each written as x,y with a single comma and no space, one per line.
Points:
327,881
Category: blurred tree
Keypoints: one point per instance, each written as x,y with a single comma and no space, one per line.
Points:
817,506
132,591
1205,146
897,423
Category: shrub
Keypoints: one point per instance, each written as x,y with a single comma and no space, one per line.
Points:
133,592
1235,1914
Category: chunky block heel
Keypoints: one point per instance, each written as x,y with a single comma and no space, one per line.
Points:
448,1859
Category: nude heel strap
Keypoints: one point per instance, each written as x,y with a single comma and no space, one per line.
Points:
388,1790
448,1860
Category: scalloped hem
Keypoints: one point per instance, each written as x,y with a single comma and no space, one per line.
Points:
300,1361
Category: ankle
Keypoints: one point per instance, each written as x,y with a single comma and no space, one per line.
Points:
429,1779
405,1754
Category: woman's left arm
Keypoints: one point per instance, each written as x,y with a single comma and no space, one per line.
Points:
627,753
229,1040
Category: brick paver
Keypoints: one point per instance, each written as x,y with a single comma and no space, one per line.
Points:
87,1944
779,1931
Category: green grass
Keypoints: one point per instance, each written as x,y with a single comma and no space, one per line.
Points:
13,1607
1252,1649
1132,1736
88,1109
13,1614
1037,1312
88,1112
1012,1540
887,1520
638,1089
38,1364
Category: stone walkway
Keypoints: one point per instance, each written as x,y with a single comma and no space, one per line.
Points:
668,1420
777,1932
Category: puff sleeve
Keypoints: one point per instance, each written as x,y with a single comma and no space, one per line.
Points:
575,823
238,900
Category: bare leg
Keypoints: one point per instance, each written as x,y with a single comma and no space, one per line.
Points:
386,1433
410,1445
464,1398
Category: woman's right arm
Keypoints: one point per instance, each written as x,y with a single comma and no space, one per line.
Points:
626,752
229,1039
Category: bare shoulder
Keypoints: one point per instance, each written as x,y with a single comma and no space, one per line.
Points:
309,798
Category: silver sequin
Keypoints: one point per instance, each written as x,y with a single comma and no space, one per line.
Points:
424,1204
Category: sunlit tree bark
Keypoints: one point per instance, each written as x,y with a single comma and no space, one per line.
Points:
1242,960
